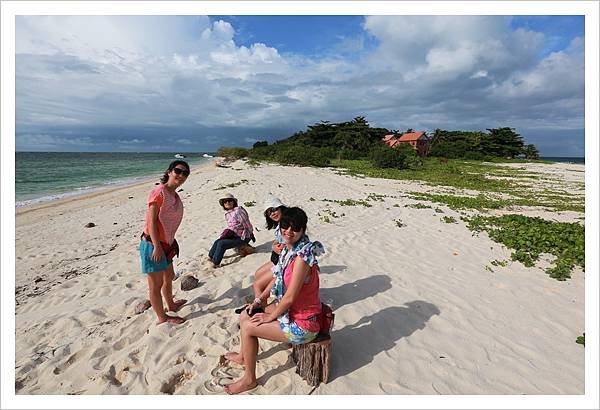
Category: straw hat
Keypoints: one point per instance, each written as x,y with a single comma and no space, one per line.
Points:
273,202
226,196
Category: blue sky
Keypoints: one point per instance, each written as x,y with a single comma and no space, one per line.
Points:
196,83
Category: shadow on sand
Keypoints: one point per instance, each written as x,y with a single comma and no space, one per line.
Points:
357,344
360,289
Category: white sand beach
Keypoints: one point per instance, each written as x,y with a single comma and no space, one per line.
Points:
417,311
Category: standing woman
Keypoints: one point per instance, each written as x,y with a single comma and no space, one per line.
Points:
294,317
158,246
239,230
263,277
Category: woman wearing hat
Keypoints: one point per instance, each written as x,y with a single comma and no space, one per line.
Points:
239,230
263,277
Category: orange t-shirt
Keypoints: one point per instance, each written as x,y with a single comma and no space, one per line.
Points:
170,213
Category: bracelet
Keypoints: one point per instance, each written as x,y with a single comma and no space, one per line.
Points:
257,300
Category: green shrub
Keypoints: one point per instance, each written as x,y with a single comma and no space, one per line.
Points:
303,155
232,152
401,157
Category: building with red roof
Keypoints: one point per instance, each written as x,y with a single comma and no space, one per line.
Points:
417,139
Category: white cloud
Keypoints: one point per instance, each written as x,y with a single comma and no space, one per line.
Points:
426,72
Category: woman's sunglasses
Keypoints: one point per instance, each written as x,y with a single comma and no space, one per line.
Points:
179,171
285,225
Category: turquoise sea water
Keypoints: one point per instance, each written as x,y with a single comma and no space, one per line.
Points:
44,176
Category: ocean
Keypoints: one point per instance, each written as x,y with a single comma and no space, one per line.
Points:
568,160
45,176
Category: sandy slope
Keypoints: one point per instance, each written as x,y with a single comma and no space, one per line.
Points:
417,312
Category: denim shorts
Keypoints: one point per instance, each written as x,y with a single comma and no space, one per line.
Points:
148,265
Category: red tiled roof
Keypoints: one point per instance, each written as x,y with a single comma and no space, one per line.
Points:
411,136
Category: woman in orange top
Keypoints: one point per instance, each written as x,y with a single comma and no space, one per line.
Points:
158,246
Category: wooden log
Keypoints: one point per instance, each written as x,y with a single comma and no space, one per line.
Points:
312,360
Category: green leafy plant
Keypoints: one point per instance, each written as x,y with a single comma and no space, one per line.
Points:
581,339
531,236
449,219
250,203
418,205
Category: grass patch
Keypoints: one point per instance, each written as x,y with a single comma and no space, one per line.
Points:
249,204
485,177
418,206
529,237
456,202
232,185
399,223
349,202
328,215
449,219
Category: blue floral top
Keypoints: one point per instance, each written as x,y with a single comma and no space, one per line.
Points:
307,251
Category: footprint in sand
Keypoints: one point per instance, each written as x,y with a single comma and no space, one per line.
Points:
68,363
175,382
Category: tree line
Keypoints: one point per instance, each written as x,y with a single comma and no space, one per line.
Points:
356,139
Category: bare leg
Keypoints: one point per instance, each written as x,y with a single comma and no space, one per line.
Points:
250,332
155,282
235,356
167,290
262,277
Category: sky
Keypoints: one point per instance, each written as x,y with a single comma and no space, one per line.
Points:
196,83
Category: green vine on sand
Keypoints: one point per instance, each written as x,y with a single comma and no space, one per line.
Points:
531,236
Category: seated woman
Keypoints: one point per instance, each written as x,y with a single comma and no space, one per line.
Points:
263,277
293,318
238,231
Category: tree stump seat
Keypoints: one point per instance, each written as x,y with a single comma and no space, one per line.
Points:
312,360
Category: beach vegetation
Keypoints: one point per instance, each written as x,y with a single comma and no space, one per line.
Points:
231,185
581,339
328,214
232,152
449,219
349,202
399,223
399,157
418,205
249,203
529,237
496,262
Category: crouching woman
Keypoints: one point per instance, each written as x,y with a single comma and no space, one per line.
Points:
293,318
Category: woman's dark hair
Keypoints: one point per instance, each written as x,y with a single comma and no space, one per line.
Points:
294,217
165,177
271,223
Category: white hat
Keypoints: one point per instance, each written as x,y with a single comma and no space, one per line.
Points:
273,202
226,196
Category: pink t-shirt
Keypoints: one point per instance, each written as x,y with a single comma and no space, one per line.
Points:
308,302
170,213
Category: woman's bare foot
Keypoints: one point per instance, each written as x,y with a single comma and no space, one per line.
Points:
176,320
240,386
234,357
177,304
